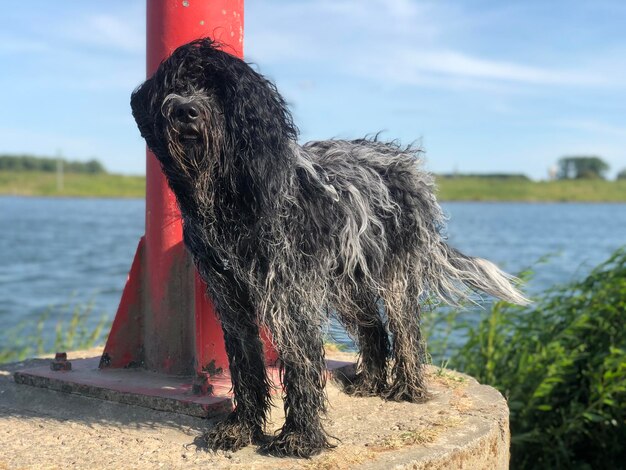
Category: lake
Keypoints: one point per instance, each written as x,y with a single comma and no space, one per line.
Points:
56,252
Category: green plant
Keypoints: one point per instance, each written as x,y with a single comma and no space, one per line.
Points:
28,339
561,363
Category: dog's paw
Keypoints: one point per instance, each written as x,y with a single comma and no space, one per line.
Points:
303,444
401,391
366,386
231,435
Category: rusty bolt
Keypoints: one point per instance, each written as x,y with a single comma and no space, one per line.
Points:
105,361
60,362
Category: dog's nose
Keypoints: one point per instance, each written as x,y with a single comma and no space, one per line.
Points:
187,112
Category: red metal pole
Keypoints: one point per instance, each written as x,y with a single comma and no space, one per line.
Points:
170,289
165,322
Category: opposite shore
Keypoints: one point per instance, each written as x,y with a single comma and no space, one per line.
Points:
461,188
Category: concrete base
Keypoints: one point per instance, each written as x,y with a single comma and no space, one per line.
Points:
144,388
464,426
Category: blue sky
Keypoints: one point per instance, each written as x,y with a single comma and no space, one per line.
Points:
485,86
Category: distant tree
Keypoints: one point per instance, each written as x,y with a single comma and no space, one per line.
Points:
581,167
622,175
49,165
94,166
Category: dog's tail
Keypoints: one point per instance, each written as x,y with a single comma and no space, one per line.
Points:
476,273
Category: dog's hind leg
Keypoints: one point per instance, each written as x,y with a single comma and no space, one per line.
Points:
365,324
409,349
251,387
303,376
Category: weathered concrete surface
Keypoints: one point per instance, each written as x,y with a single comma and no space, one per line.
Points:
464,425
147,388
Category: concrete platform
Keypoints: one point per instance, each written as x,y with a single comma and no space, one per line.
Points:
464,426
145,388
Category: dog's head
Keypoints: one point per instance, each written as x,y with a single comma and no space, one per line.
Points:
207,113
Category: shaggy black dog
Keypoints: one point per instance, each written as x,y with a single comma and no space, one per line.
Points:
285,234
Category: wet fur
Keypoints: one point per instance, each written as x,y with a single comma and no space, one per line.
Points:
284,234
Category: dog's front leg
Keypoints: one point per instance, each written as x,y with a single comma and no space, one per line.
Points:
303,378
251,387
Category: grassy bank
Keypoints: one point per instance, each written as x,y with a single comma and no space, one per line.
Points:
74,184
450,189
481,189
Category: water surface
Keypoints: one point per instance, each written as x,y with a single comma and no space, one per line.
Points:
55,251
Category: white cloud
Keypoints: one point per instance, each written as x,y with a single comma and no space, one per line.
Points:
459,64
333,30
406,42
450,68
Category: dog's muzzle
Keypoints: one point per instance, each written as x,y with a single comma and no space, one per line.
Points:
186,116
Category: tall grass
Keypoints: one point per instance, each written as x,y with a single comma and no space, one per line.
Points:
561,363
32,338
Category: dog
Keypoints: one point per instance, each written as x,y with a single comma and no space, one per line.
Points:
286,235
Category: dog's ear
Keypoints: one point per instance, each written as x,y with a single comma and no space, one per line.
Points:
141,106
259,127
